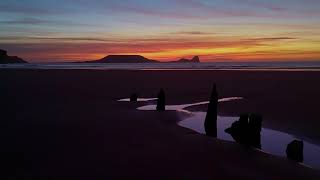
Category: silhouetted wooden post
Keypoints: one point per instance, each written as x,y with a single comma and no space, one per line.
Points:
295,151
239,130
161,103
247,132
134,97
255,126
210,123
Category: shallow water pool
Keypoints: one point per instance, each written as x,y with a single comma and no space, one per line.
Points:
272,141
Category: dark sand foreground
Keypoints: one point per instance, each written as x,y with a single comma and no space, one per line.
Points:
67,123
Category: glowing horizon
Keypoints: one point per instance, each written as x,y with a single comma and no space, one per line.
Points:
215,30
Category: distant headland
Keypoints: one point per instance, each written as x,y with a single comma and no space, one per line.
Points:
138,59
5,59
195,59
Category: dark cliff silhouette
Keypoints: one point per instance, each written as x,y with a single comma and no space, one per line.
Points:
210,123
5,59
247,130
134,97
137,59
123,59
295,151
161,103
195,59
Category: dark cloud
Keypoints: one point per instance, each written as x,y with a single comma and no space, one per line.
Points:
265,5
182,9
57,39
263,39
192,33
26,21
99,45
30,10
37,21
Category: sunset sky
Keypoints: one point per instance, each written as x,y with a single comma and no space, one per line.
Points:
216,30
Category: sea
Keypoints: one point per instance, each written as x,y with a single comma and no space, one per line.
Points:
256,66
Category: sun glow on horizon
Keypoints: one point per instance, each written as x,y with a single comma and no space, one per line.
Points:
219,30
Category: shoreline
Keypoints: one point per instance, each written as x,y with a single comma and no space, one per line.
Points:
203,66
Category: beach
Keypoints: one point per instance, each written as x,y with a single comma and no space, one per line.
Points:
68,123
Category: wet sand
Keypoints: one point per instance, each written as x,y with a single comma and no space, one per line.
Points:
67,123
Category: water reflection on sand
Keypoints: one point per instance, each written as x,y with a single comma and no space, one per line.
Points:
273,142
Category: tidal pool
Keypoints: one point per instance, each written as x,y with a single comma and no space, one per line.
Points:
272,141
139,99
